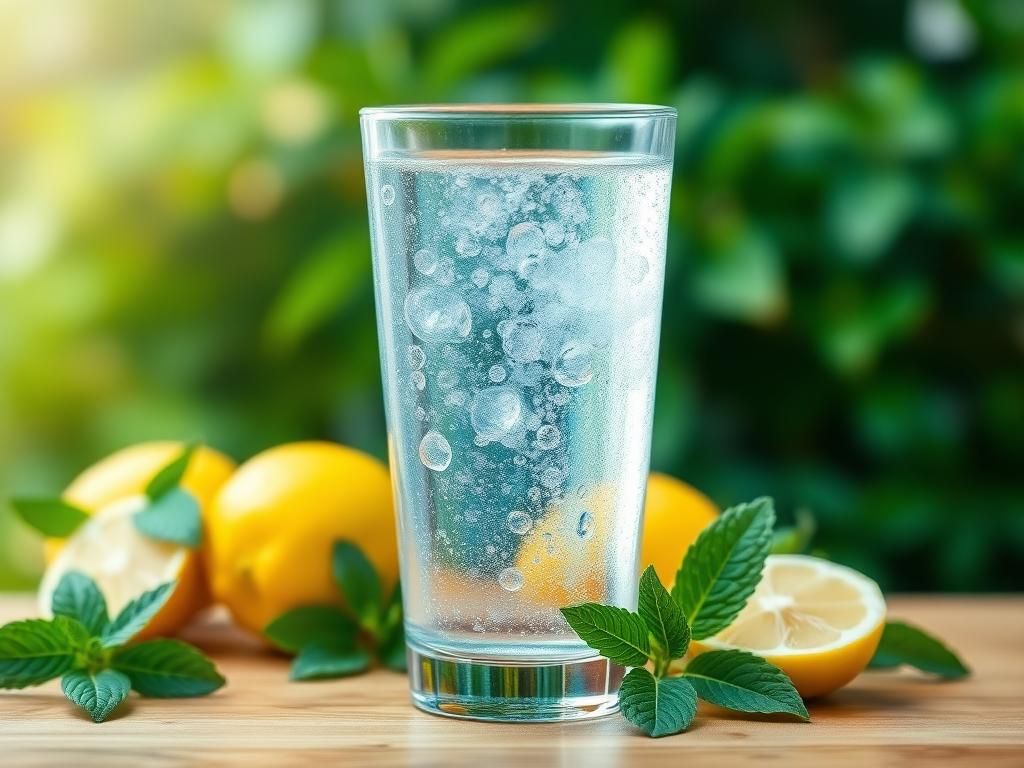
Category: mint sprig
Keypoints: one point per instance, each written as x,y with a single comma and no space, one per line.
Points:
904,644
51,517
744,682
661,706
172,513
89,651
329,641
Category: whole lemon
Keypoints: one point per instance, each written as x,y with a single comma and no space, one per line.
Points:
122,561
273,527
674,515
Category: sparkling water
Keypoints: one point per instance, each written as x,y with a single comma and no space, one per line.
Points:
519,301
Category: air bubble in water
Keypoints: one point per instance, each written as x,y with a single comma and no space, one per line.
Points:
574,365
511,579
416,357
387,194
480,277
420,413
548,437
418,380
551,477
435,452
585,526
438,315
554,233
522,341
519,522
497,373
524,240
425,260
495,411
466,245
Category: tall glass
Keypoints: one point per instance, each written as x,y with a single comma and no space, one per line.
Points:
519,256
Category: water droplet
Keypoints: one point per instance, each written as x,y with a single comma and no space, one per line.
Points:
486,333
548,437
551,477
524,240
416,357
519,460
574,365
456,398
466,245
425,260
418,380
519,522
585,526
497,373
387,194
554,233
438,315
420,413
511,579
495,411
435,452
522,341
480,277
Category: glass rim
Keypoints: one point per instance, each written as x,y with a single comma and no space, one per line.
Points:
517,111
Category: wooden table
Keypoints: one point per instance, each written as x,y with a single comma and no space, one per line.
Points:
882,719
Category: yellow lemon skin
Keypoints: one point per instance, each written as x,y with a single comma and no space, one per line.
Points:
818,674
126,473
674,515
273,526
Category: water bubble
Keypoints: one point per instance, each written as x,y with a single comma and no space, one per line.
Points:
551,477
495,411
554,233
456,398
438,315
480,441
548,437
387,194
519,460
435,452
519,522
585,526
446,379
597,256
496,373
425,260
534,494
418,380
466,245
524,240
511,579
420,413
488,204
574,365
486,333
522,341
416,357
480,277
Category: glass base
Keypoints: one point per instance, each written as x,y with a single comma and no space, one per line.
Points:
513,691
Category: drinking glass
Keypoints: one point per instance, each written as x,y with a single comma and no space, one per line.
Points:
519,257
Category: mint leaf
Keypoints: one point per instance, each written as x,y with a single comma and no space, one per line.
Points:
391,649
743,682
99,694
660,707
295,629
723,567
78,597
321,661
51,517
167,669
34,651
174,517
170,476
135,616
902,643
615,633
794,540
359,583
663,617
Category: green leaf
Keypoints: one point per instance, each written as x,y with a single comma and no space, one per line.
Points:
323,661
743,682
391,649
663,617
34,651
174,517
905,644
723,567
615,633
299,627
168,669
660,707
796,539
170,476
78,597
136,615
359,583
99,694
51,517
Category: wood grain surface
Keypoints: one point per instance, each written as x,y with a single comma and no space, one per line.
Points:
260,719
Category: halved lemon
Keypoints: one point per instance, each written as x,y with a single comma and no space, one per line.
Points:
817,621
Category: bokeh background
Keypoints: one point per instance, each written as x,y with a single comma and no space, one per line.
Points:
184,252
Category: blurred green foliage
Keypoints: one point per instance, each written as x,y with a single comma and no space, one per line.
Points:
183,241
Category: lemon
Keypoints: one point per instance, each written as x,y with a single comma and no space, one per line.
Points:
273,526
123,562
674,515
817,621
